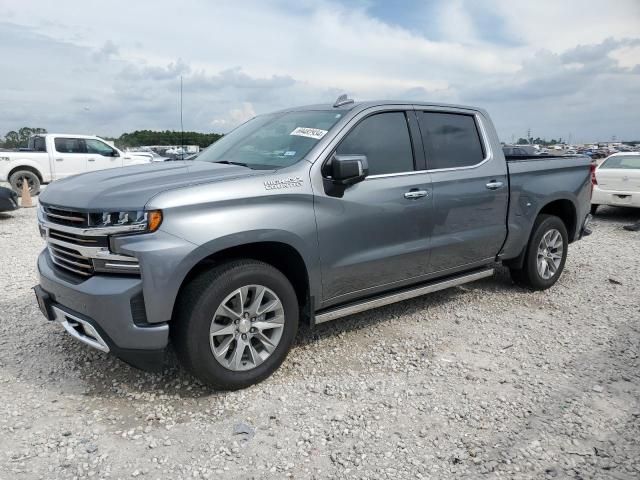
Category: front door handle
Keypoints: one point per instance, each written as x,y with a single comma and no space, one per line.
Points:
59,159
91,159
413,194
494,185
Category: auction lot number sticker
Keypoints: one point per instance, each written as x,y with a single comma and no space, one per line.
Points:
316,133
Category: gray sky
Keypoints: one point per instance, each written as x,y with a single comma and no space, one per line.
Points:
558,67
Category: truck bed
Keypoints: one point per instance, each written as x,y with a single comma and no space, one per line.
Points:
538,180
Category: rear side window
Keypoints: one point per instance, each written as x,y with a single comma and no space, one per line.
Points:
384,139
70,145
37,144
631,162
451,140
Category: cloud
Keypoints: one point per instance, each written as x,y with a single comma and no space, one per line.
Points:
551,66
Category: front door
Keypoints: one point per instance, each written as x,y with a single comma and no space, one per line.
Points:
69,158
101,156
470,190
376,235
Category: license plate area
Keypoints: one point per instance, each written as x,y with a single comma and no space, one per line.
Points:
622,199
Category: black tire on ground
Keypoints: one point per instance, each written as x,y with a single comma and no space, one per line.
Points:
594,208
17,178
528,276
195,310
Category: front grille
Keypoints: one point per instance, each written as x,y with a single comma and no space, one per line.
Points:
82,240
69,218
71,260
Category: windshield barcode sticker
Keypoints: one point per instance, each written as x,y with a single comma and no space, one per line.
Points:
316,133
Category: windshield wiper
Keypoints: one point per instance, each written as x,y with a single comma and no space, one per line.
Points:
227,162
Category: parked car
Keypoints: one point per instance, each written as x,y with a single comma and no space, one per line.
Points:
616,181
519,150
152,155
54,156
8,200
305,215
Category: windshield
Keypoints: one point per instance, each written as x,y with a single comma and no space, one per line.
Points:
272,141
622,161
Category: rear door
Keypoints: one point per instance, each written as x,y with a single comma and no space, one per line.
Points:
377,234
69,157
470,189
101,156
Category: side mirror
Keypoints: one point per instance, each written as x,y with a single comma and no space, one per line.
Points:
114,153
349,169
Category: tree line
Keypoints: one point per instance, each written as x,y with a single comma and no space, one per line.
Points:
20,138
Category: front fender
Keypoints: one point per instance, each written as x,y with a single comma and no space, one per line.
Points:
166,261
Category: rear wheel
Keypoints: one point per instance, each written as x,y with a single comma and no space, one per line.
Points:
545,255
594,208
17,180
235,324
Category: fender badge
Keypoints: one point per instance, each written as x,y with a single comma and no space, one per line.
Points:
280,183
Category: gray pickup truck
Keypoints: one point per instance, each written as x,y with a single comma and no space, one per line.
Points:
304,215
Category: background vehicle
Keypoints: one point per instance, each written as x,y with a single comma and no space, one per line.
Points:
151,154
616,181
54,156
517,150
307,214
8,200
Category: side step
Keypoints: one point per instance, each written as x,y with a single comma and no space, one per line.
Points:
399,296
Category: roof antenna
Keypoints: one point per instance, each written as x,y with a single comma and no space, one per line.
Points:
181,124
342,100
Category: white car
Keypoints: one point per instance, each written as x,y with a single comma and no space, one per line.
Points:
54,156
616,181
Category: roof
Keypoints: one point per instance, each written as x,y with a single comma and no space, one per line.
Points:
359,106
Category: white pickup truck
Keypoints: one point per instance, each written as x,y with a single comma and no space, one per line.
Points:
51,157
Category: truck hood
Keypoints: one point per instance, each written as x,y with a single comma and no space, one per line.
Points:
132,187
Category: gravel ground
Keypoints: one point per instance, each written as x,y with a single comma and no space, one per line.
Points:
484,380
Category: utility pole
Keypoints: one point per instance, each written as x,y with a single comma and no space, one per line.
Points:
529,135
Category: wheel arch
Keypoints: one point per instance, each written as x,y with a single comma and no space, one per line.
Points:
563,208
279,254
27,167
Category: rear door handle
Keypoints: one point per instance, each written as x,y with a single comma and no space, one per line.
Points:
59,159
413,194
494,185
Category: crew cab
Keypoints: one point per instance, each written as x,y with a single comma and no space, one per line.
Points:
304,215
54,156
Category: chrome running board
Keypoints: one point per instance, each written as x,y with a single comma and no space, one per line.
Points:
400,296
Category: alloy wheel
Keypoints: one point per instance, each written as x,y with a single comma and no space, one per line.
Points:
246,327
550,251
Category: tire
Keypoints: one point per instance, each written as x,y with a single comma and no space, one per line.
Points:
594,208
529,275
18,177
198,310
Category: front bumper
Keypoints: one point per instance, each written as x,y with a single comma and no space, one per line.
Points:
101,312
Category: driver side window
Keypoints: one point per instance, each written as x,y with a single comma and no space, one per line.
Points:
384,139
99,148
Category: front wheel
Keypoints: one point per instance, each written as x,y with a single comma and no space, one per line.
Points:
235,324
18,179
545,255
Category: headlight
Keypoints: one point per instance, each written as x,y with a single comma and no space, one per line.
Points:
127,221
